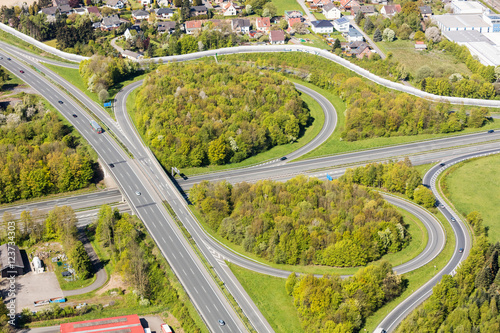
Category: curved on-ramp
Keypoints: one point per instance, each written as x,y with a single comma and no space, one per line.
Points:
462,240
276,48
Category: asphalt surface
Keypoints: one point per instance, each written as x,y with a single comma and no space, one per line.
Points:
201,288
462,240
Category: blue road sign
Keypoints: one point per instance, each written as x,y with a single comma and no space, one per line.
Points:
108,104
329,177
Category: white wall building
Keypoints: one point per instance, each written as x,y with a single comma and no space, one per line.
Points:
467,7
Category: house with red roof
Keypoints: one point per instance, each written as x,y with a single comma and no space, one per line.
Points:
192,26
263,24
390,10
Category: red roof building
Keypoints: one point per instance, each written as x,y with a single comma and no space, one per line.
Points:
123,324
263,24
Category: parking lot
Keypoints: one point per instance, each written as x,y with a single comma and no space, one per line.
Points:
32,287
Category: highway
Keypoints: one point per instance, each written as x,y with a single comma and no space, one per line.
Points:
155,187
201,288
462,240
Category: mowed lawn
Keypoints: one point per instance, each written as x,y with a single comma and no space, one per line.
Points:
442,63
474,186
282,5
269,294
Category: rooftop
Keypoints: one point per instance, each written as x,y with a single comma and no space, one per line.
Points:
461,21
4,256
341,20
467,36
322,24
123,324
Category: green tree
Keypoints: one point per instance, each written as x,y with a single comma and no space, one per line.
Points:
217,151
336,44
377,36
80,260
423,196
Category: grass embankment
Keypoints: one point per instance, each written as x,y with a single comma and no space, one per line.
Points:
71,285
440,62
416,246
315,41
72,75
269,294
473,186
11,39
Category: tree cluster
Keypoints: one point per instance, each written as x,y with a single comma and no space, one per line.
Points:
303,221
199,114
374,114
39,155
330,304
400,177
467,302
100,73
140,261
59,225
373,111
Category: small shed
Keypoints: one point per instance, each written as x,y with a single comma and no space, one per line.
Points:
10,260
37,265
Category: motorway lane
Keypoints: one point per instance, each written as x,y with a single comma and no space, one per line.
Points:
462,240
76,202
358,157
202,290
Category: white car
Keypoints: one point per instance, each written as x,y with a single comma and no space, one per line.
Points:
137,193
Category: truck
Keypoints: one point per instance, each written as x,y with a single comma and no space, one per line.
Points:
165,328
95,126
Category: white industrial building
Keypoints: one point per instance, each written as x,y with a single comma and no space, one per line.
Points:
486,47
37,265
467,7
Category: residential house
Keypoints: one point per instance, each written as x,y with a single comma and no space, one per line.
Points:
168,27
49,11
293,14
95,11
379,2
347,4
11,261
140,14
322,27
240,25
163,3
80,11
354,35
115,4
419,45
110,22
341,24
57,3
319,3
263,24
331,12
130,33
425,11
390,10
292,21
65,9
198,10
96,25
164,13
228,9
277,37
366,10
358,49
192,26
131,55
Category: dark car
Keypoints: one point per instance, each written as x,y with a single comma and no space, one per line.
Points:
453,219
442,164
21,71
221,322
74,115
283,158
461,250
60,102
8,58
111,165
491,131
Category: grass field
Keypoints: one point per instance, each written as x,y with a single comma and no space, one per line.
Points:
282,5
52,42
442,63
315,41
269,294
473,186
416,246
11,39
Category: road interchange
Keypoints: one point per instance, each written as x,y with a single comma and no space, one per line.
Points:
328,163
